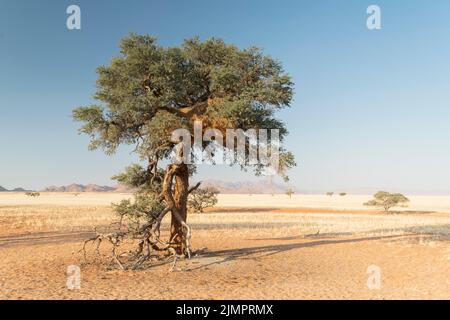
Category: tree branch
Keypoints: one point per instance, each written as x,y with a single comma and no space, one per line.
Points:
192,189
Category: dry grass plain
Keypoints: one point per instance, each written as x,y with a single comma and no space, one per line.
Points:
258,247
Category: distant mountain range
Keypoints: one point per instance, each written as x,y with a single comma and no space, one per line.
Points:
88,188
76,188
13,190
244,187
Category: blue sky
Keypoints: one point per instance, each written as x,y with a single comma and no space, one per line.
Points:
371,109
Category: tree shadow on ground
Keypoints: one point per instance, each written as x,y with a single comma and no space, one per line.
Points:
393,212
406,234
441,231
307,236
229,255
239,210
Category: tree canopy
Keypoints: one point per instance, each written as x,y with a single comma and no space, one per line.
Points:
150,90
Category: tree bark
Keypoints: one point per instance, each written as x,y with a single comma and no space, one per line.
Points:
180,196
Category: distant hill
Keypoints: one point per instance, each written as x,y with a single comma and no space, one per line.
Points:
246,187
88,188
13,190
19,190
242,187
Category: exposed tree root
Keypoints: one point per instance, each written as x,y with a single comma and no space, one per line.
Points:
174,192
150,245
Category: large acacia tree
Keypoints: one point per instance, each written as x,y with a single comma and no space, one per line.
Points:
148,91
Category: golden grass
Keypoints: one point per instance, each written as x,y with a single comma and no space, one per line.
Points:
37,218
333,224
66,212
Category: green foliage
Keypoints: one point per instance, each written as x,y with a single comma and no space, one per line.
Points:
287,161
386,200
143,209
136,176
202,198
343,194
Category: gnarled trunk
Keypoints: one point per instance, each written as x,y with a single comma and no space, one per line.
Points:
180,196
175,198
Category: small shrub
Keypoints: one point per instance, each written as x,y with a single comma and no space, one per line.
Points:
202,198
343,194
330,194
32,194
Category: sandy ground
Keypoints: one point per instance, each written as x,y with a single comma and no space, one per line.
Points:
258,247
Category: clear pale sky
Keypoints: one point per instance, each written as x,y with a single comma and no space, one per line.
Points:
371,109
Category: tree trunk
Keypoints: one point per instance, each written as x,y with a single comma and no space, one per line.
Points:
180,196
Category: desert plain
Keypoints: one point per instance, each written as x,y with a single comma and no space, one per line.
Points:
252,247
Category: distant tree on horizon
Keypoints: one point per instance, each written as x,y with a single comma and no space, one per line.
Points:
386,200
290,192
330,194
